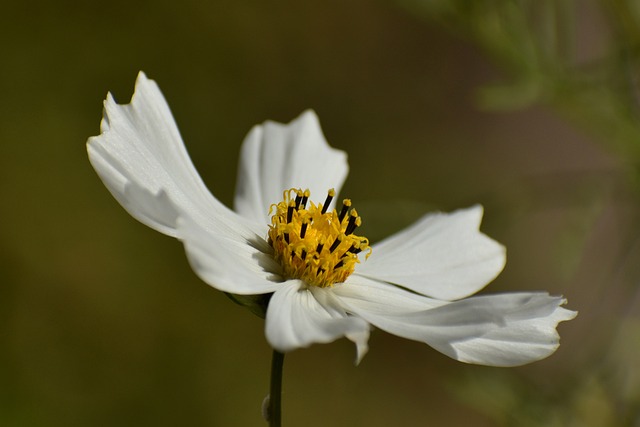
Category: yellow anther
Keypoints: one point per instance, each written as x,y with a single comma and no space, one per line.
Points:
346,204
313,244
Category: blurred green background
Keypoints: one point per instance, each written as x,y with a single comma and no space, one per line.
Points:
528,107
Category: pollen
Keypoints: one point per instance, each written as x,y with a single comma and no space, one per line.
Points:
312,243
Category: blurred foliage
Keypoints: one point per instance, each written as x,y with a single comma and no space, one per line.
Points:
545,49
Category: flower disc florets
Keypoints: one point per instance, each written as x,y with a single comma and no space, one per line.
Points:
312,244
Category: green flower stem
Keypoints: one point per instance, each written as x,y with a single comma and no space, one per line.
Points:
275,393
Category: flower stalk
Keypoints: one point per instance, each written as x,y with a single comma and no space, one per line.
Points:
275,392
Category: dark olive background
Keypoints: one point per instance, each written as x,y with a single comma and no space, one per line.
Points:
102,322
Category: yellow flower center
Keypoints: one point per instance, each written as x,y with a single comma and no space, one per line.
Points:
313,244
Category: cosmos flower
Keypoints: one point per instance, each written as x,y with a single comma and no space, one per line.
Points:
290,238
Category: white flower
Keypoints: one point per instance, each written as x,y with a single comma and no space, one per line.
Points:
415,284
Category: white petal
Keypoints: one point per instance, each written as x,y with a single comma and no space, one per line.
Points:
142,160
299,315
443,256
496,330
230,265
276,157
520,342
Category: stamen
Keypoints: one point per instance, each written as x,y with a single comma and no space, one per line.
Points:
305,197
353,222
298,199
290,209
346,204
335,244
340,264
303,229
331,194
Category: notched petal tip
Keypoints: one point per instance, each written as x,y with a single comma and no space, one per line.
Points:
529,334
507,329
110,106
140,148
564,314
142,81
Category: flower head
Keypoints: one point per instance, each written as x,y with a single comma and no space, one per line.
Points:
312,243
325,280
